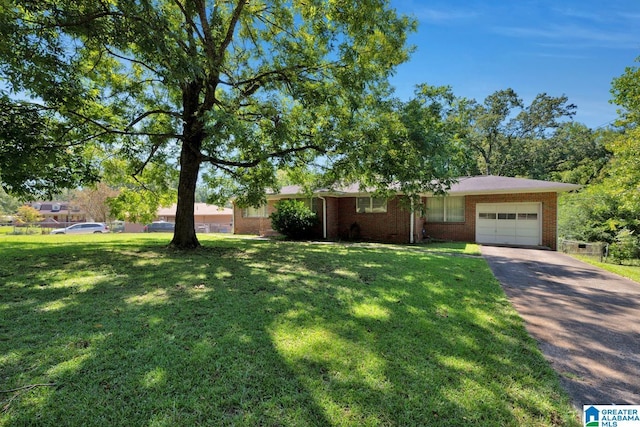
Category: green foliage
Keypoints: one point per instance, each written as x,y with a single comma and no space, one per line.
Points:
241,89
625,247
623,180
592,215
574,154
36,160
139,193
412,147
8,204
609,210
626,94
502,130
294,219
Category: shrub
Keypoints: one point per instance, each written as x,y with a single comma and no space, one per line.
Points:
625,247
293,219
28,215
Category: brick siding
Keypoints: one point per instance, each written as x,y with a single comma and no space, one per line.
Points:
466,231
253,225
393,226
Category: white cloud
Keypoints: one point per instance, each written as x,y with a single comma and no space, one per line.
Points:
572,34
580,14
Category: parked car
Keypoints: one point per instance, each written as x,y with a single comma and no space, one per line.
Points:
83,228
159,227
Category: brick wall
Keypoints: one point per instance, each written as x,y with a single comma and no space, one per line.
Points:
465,231
262,226
257,226
391,226
394,225
333,226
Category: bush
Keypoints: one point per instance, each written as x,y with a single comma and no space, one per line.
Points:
293,219
625,247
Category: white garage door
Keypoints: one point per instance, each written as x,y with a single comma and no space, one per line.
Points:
508,223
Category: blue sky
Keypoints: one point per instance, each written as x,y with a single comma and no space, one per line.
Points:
570,47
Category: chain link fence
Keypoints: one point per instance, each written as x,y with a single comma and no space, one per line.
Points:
597,250
114,227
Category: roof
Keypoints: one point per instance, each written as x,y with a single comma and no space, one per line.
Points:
198,209
490,184
485,184
55,207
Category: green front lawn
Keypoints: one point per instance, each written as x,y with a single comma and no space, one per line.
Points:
629,271
117,330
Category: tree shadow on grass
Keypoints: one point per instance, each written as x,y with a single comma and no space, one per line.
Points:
262,333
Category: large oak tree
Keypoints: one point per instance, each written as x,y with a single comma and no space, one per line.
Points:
241,87
501,128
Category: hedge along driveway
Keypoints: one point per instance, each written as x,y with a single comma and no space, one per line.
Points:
263,333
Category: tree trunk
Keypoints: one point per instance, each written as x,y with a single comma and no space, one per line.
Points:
184,235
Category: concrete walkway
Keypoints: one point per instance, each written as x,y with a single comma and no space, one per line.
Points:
586,321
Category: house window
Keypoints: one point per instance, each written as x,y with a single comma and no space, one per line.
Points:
487,215
371,205
311,203
445,209
252,212
528,216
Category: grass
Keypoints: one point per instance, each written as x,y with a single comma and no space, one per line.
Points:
121,331
629,271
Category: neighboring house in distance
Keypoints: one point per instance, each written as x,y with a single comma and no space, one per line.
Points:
208,218
482,209
59,212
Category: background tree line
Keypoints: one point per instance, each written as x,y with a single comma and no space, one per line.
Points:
609,208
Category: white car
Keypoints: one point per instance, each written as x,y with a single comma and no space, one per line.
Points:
83,228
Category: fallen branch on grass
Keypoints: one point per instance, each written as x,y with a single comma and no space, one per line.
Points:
18,391
28,387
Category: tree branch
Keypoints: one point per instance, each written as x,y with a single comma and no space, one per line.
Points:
255,162
154,150
83,20
135,61
190,22
281,75
18,391
28,387
109,130
149,113
235,17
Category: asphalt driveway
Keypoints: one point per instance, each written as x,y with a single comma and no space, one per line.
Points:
586,321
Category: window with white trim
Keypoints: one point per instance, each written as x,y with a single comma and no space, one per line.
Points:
371,205
252,212
445,209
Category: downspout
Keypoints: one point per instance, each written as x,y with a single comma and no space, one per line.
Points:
324,216
412,224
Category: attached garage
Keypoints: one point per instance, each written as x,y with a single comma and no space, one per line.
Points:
485,209
509,223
